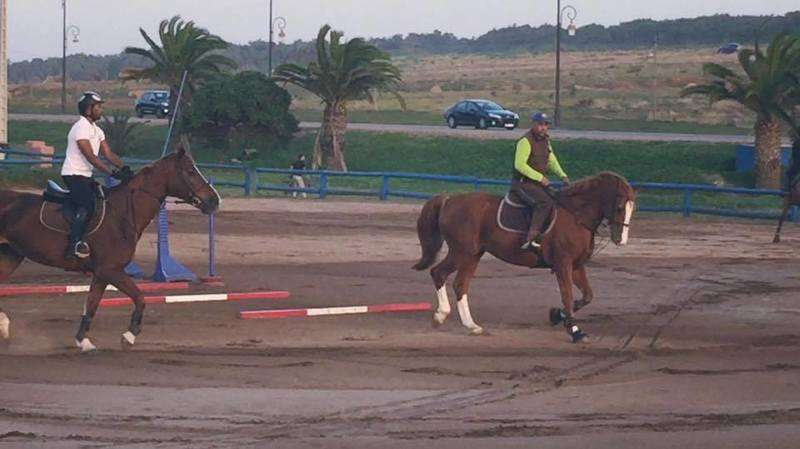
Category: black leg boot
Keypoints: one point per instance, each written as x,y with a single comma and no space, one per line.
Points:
77,248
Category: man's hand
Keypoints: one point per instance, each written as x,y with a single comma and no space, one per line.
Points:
545,182
124,174
565,180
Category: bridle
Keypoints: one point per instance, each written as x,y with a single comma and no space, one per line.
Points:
194,198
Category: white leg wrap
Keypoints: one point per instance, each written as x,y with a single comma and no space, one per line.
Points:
627,222
129,337
5,326
466,316
444,305
86,345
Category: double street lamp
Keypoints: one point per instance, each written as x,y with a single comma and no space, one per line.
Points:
279,23
571,13
75,32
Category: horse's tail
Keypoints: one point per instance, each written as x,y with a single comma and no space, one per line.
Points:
430,237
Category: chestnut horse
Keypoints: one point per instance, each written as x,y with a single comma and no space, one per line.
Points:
130,208
468,223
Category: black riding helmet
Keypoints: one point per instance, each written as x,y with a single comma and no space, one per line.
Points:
88,99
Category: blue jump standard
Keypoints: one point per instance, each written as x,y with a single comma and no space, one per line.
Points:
167,268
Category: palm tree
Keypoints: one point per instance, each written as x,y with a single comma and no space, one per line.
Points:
184,47
120,132
766,89
342,72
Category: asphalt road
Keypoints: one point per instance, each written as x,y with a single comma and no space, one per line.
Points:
469,133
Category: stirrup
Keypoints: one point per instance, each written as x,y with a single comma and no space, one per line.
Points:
81,250
532,244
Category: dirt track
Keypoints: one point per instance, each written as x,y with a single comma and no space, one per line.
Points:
694,344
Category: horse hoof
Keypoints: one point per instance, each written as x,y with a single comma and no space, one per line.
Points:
475,331
580,337
438,319
556,316
86,346
776,239
5,326
127,340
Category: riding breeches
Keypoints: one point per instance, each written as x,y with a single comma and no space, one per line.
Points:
82,195
535,195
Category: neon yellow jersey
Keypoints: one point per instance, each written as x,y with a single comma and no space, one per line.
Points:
521,162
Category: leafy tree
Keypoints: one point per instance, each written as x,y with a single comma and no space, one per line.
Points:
342,72
183,47
242,110
767,88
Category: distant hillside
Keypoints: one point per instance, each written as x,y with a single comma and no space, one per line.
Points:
698,32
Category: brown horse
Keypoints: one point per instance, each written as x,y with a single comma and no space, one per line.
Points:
130,208
468,223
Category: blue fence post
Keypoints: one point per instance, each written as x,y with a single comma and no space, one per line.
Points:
793,214
323,185
384,187
212,229
248,180
687,202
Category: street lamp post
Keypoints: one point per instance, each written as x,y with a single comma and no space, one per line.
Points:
280,23
75,32
571,14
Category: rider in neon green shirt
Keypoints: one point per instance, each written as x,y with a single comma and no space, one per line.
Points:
535,157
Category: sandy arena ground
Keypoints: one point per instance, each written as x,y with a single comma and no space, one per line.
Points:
695,343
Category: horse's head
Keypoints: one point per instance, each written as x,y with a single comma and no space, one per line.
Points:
620,209
187,183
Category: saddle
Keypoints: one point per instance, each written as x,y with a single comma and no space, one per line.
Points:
58,212
515,216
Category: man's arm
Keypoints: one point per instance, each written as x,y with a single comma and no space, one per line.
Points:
86,149
110,155
521,161
555,166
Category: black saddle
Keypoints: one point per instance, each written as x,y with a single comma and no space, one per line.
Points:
54,193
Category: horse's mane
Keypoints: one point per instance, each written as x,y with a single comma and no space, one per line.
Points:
590,183
144,173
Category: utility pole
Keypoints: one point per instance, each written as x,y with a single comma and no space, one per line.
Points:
3,73
655,79
64,58
269,73
557,112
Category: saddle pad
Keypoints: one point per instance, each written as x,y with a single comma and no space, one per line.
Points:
51,216
516,217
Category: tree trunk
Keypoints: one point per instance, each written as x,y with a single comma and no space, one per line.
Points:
332,136
316,162
768,154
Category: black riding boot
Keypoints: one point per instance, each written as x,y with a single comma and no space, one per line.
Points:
77,247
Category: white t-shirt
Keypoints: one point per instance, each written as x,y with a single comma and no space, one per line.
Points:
75,162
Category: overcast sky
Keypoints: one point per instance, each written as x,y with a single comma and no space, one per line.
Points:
107,26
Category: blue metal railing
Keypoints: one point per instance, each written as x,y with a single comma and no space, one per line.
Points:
251,184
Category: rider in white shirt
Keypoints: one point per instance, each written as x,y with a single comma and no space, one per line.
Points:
85,142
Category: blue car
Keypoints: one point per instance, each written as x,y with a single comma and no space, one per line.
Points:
154,102
728,49
481,114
